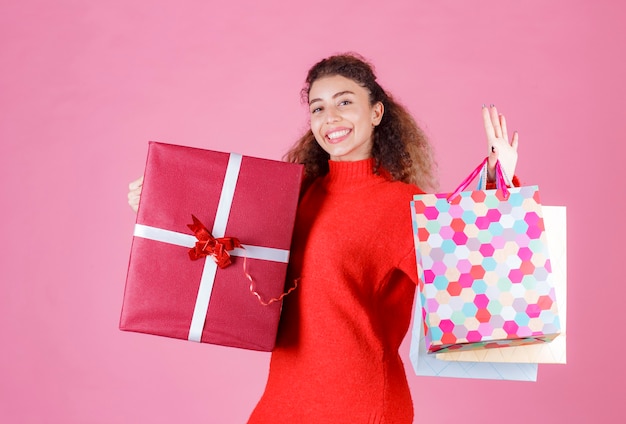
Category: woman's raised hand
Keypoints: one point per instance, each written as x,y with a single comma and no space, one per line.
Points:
134,193
500,148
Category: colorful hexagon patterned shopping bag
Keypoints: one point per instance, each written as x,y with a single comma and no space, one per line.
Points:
483,261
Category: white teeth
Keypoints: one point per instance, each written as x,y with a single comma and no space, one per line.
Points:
338,134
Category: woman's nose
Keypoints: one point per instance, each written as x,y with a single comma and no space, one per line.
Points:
332,115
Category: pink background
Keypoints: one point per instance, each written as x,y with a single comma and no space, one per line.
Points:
84,85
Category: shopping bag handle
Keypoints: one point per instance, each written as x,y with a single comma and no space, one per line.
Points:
500,181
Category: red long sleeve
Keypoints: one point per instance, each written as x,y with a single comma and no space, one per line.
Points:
336,359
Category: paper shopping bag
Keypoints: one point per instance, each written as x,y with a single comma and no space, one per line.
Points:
555,219
484,264
425,364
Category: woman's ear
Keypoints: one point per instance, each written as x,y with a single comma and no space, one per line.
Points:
378,111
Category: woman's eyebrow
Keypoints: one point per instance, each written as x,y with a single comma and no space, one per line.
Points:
341,93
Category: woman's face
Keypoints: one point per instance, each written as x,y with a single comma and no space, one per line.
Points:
342,119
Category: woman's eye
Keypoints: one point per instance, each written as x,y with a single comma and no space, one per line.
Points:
344,102
316,110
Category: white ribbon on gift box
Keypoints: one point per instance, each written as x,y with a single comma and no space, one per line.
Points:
219,228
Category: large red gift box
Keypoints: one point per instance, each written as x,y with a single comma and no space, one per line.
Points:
251,199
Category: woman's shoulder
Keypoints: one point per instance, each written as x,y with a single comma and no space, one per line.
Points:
400,188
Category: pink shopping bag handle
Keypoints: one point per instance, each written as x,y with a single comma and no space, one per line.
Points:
500,182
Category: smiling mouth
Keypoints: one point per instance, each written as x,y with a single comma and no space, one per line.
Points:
337,134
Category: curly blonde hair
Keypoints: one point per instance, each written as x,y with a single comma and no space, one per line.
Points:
399,144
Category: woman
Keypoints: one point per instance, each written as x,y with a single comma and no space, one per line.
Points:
336,358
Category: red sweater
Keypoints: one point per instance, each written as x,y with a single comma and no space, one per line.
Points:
336,359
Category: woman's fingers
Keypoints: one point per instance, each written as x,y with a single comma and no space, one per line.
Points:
495,125
515,141
502,121
136,184
495,121
489,130
134,193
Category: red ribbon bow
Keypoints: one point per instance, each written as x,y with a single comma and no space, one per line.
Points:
218,248
207,245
